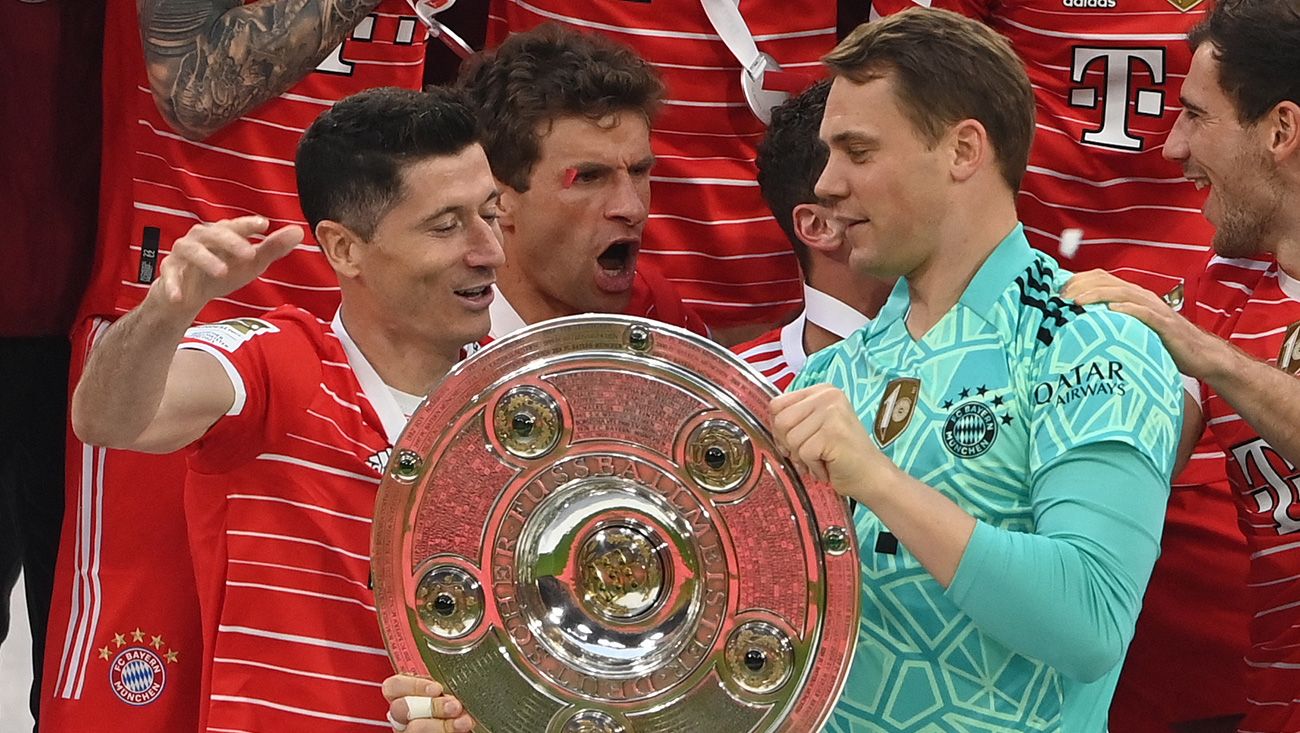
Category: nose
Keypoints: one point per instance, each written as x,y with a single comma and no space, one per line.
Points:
832,185
629,202
485,246
1176,148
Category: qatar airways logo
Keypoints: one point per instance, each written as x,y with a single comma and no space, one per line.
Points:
1272,483
1120,82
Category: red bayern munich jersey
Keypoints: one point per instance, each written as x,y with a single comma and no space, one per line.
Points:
1106,79
156,184
771,353
652,297
709,230
279,498
1256,307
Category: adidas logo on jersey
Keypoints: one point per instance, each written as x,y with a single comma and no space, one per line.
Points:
379,461
1090,3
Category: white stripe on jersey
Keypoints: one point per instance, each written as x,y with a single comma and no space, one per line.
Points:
1264,334
326,446
719,222
342,402
584,23
1122,209
298,639
705,181
300,711
83,619
1114,240
297,540
215,148
230,181
1275,550
299,592
295,569
755,256
1099,184
755,304
1137,37
337,427
715,105
300,505
297,672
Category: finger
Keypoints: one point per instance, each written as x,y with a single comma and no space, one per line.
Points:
461,724
1107,294
401,685
415,707
227,244
245,226
190,254
278,244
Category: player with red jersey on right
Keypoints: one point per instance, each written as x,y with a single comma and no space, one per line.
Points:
204,103
1098,194
1239,135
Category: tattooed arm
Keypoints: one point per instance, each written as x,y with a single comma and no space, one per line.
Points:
210,61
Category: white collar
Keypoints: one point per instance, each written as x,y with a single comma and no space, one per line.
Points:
832,314
505,319
376,391
1288,284
822,310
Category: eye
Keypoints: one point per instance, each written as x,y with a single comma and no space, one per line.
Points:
858,155
446,226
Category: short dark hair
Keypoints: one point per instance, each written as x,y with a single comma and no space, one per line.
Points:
349,162
533,78
947,68
791,157
1257,45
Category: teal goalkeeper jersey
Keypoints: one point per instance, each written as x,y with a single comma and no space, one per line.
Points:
1002,388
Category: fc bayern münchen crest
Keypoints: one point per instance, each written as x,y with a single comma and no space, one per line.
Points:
137,675
970,430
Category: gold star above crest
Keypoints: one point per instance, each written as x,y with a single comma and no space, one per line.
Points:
104,653
137,635
119,640
157,642
171,656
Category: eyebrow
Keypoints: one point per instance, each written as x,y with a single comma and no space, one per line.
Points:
592,166
849,137
427,221
1189,104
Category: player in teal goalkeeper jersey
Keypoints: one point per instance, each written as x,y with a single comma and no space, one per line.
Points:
1010,450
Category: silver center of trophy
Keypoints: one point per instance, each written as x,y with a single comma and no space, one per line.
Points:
621,573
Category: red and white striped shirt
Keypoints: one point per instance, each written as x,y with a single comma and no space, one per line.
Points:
1256,307
709,232
156,184
1106,81
279,499
779,354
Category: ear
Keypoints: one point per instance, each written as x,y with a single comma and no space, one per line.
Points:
343,247
968,143
1284,133
814,227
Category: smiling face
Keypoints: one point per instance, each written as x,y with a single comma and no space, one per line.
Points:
1219,152
884,184
572,239
430,264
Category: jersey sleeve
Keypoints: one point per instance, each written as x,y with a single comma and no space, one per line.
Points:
977,9
273,368
1104,377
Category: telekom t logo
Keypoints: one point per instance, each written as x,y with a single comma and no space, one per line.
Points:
1120,66
1275,494
335,63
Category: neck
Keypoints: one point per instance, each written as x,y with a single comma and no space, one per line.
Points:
1287,248
816,338
531,305
402,362
937,284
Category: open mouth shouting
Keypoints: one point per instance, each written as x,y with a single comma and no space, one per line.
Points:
616,265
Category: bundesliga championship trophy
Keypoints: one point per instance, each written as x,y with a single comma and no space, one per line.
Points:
587,528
